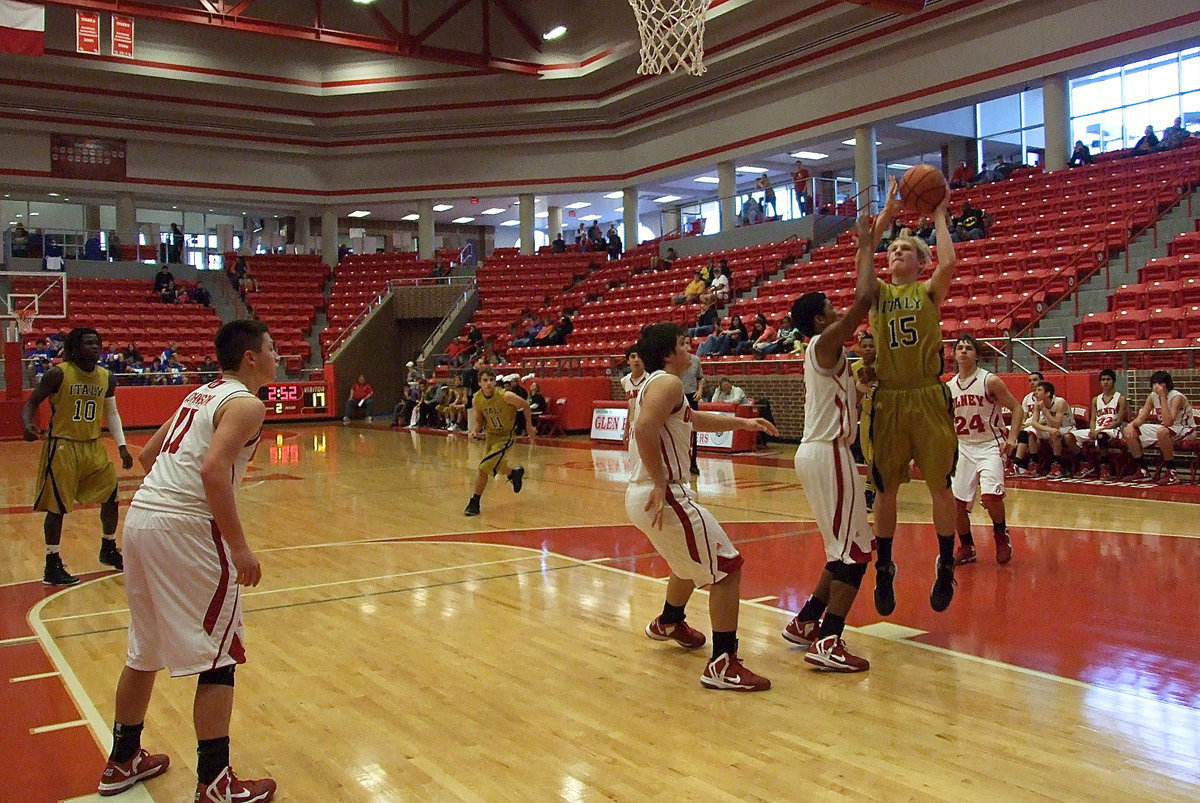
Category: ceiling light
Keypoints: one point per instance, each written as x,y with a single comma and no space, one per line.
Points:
666,199
813,155
554,33
898,166
66,199
542,214
511,223
364,2
495,210
750,169
612,196
578,205
174,207
851,142
32,214
442,207
358,213
590,217
619,210
707,180
462,220
411,216
52,194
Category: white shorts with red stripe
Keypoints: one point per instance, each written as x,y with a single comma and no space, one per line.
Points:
1148,433
1084,436
691,541
835,493
184,605
980,468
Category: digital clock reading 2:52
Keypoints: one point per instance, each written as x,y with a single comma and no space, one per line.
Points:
295,399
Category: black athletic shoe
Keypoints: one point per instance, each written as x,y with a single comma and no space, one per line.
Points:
517,477
56,574
110,555
472,508
695,469
943,587
870,496
885,592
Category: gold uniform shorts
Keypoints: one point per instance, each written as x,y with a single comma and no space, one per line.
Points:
73,471
912,424
495,454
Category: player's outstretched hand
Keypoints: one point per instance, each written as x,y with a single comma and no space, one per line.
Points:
943,209
249,572
32,433
126,457
891,207
654,505
862,227
760,425
1006,448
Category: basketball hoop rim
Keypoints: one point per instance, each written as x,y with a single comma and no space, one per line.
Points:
25,319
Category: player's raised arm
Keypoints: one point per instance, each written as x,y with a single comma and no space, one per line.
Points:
938,285
238,422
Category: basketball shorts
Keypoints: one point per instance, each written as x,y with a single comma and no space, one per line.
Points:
73,471
1084,436
1043,435
980,468
912,424
1148,433
184,604
691,541
835,493
495,454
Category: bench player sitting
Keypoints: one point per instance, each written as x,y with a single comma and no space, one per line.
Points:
1052,420
1020,458
1175,418
1109,411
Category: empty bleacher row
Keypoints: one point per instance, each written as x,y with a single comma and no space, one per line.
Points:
125,311
291,289
360,278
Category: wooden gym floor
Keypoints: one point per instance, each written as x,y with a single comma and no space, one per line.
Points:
401,651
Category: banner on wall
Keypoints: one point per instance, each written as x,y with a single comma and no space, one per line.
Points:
87,32
122,36
88,158
22,28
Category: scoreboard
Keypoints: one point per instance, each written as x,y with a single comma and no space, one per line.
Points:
295,400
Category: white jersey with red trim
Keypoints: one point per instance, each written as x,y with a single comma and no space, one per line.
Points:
631,386
674,441
830,399
1030,404
977,415
174,484
1185,421
1106,411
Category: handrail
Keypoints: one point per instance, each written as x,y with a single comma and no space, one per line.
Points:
439,331
382,296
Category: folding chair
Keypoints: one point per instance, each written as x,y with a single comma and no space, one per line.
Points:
550,422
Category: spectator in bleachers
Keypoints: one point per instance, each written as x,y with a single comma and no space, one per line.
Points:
208,370
726,341
581,236
717,293
247,284
800,177
781,338
361,394
1174,419
20,241
728,393
454,407
762,334
474,339
163,278
114,247
961,176
198,294
692,291
343,252
175,245
969,224
1148,143
131,353
174,370
404,411
169,351
33,249
559,332
92,249
533,329
1082,155
763,184
706,321
925,230
1174,136
895,231
559,245
615,246
168,294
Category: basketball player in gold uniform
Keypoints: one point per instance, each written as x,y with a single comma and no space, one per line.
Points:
74,466
911,411
494,412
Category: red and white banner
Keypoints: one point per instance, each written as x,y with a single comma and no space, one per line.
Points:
22,28
87,32
122,36
87,158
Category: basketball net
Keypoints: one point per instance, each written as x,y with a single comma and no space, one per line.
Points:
25,320
672,34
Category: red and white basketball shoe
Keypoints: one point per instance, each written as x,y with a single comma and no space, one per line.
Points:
1105,473
1004,550
830,655
965,554
1141,475
801,633
681,633
727,672
1169,477
228,788
117,778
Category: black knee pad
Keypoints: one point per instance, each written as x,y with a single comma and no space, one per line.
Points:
1023,437
216,677
849,573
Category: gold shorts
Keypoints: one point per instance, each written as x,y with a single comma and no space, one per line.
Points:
495,460
912,424
73,471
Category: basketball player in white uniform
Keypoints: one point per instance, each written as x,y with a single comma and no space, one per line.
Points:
185,556
661,505
631,383
831,480
1021,455
1052,422
983,444
1176,420
1108,414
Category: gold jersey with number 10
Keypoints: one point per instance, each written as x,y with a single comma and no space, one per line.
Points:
78,404
908,336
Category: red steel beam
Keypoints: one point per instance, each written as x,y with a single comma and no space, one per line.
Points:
442,19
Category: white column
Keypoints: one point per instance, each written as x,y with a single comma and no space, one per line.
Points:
630,222
1056,111
525,201
865,167
329,236
672,220
554,221
425,228
127,228
727,190
303,231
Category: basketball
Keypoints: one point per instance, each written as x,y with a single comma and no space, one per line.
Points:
922,188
